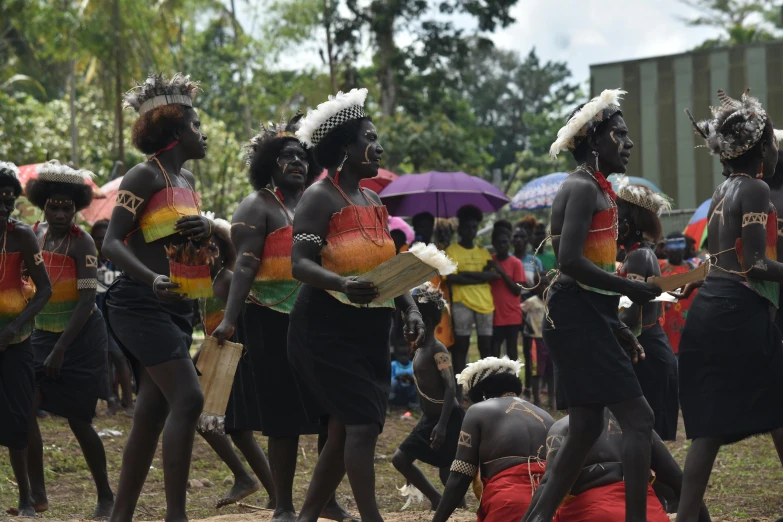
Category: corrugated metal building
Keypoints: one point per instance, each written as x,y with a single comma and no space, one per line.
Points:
659,91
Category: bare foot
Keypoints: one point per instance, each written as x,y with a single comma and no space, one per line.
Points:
284,516
103,509
337,512
23,510
271,503
240,490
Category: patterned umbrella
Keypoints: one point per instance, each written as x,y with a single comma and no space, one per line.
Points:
27,172
538,193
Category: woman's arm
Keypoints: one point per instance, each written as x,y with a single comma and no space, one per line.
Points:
84,253
414,324
755,206
311,224
34,265
446,370
637,267
463,469
248,233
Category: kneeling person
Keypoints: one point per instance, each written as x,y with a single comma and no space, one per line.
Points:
503,436
434,439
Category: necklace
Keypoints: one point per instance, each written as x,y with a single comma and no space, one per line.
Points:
740,175
279,199
56,251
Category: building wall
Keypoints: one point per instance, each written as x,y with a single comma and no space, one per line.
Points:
660,89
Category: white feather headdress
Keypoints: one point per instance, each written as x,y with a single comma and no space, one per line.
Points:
158,90
9,169
642,196
476,372
339,109
779,135
55,171
429,293
435,258
600,108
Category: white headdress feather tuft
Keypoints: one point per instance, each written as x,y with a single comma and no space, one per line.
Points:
779,135
475,372
642,196
565,136
435,258
9,168
310,129
56,172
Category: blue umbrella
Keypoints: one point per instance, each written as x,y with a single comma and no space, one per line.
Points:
538,193
634,180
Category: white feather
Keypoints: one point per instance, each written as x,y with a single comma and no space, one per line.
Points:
644,194
607,98
498,365
222,226
411,493
779,135
62,173
208,214
435,258
10,168
315,118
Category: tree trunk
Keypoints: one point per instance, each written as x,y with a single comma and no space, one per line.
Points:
329,50
72,106
118,91
245,101
383,16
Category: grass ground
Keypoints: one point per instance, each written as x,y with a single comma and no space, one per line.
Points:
746,484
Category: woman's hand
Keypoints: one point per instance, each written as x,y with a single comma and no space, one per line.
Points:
630,344
224,331
54,362
359,292
194,227
438,437
163,288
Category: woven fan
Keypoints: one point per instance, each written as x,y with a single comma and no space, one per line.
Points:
408,270
217,366
675,281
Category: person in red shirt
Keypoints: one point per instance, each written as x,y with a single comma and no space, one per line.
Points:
506,292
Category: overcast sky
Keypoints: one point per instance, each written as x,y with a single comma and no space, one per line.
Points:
580,32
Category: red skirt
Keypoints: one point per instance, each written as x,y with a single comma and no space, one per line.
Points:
507,495
606,504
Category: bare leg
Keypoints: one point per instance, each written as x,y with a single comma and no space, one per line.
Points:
244,484
178,382
95,455
459,356
485,345
148,421
360,441
777,438
696,476
527,351
124,375
282,459
328,473
333,510
636,419
413,475
585,425
19,464
35,467
255,457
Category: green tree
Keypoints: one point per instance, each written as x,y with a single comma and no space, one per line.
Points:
739,21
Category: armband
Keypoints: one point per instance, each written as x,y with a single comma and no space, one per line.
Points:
86,284
314,238
754,218
128,200
465,468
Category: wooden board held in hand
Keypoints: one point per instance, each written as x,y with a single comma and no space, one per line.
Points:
673,282
217,366
398,275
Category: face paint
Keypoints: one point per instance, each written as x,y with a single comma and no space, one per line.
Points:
193,128
367,154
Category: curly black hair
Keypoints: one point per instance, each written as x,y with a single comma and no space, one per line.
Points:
264,162
7,179
501,226
470,212
98,225
640,219
38,192
329,152
495,386
156,129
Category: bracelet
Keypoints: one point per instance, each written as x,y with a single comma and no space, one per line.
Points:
154,281
414,311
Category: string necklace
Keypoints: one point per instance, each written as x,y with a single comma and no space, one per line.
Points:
377,241
279,199
56,251
170,194
3,256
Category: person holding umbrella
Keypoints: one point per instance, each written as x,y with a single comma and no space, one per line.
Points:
592,349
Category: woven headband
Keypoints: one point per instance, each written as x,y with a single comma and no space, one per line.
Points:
165,99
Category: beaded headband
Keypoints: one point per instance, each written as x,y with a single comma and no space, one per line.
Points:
337,110
642,196
476,372
736,127
56,172
585,120
158,91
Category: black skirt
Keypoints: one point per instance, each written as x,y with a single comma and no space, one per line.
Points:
283,413
17,389
244,405
148,330
83,376
417,444
731,364
340,355
591,368
657,375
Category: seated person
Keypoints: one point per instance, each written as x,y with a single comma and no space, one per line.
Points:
403,392
434,439
598,495
502,436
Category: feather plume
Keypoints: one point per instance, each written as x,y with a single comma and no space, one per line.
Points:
642,196
608,98
271,132
180,87
779,135
479,370
222,229
55,171
9,169
435,258
429,293
411,494
317,117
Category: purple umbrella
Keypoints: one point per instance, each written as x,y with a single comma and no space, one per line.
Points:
441,194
